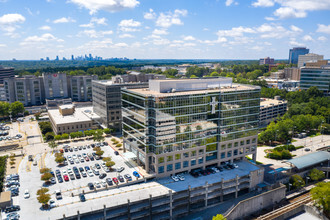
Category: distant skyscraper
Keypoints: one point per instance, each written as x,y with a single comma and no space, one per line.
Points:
57,58
72,57
266,60
295,52
47,58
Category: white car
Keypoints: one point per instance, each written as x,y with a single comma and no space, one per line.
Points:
103,183
70,171
180,177
97,184
176,179
26,194
76,161
82,160
90,173
64,172
74,156
52,203
235,165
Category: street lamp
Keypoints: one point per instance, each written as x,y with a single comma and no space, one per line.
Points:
290,186
322,131
307,178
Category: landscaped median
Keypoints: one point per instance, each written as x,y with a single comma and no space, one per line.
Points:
281,152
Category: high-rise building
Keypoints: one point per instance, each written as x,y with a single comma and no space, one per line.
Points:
295,52
183,125
107,101
266,60
308,58
292,73
72,57
26,89
80,88
55,85
316,75
6,72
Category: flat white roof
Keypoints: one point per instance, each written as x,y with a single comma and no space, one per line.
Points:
78,116
264,103
66,106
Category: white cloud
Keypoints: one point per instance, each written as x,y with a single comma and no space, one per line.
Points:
120,45
287,12
45,28
263,3
235,32
322,38
93,21
294,43
160,32
150,15
230,2
129,25
107,5
299,8
323,28
161,41
257,48
296,29
63,20
270,18
9,23
307,38
168,19
189,38
126,36
3,45
103,44
37,39
94,33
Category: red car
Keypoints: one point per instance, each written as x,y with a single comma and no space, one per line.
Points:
66,178
86,158
115,180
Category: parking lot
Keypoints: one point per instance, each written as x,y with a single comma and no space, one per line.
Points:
30,179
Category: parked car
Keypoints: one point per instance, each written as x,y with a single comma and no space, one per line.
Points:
58,194
109,181
65,177
116,153
115,180
82,197
30,157
121,178
97,184
175,178
120,169
128,177
12,208
136,174
90,186
26,194
102,175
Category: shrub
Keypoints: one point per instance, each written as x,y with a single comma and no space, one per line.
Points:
299,147
119,145
45,170
297,181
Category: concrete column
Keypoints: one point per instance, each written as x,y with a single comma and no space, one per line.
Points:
104,211
150,206
78,214
206,192
222,185
189,198
171,204
128,209
64,217
254,157
236,193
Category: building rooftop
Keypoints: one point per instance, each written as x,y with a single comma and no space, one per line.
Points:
5,196
66,106
233,87
309,159
264,103
79,115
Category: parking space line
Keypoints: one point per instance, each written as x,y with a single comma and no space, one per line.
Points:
19,164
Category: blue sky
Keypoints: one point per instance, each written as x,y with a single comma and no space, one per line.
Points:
163,29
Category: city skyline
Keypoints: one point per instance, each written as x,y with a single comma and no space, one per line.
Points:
212,29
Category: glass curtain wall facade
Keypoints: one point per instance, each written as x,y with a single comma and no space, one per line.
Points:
172,133
319,77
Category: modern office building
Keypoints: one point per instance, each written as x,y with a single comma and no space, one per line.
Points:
6,72
182,125
2,93
277,75
107,101
308,58
266,60
80,88
136,77
295,52
68,119
316,75
270,109
292,73
26,89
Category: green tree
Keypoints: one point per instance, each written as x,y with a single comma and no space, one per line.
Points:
59,158
65,136
98,136
44,199
45,170
297,181
4,108
219,217
99,152
316,174
321,195
49,136
42,191
16,108
52,145
58,137
79,134
46,177
109,162
45,127
107,130
73,135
